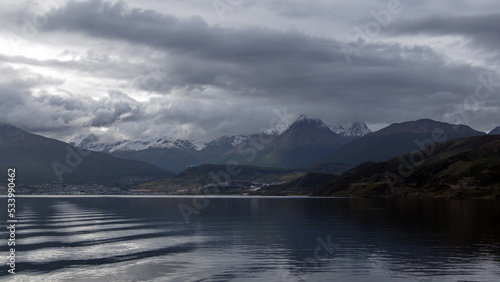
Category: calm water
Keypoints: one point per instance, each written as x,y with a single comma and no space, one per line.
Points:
255,239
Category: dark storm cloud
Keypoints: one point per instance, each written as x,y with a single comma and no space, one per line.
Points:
217,80
190,37
40,112
483,29
251,61
61,114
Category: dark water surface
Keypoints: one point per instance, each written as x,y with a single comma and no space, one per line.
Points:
254,239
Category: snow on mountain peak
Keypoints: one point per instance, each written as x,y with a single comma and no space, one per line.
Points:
94,143
199,145
234,140
306,118
359,129
76,140
154,142
355,129
277,129
283,126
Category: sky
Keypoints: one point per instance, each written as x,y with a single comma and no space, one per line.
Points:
198,70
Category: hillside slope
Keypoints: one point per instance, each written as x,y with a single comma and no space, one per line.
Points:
462,168
303,185
214,175
397,139
40,160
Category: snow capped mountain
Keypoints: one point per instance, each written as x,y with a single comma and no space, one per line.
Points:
307,140
358,129
199,145
75,140
355,129
90,140
307,119
278,129
94,143
283,126
337,128
234,141
158,142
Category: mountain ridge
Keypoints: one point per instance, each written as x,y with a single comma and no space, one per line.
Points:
459,168
397,139
40,160
296,144
94,143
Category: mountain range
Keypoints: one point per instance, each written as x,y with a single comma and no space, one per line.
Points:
397,139
38,159
308,152
286,145
459,168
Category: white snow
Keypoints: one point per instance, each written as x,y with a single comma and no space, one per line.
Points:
277,129
234,140
93,143
355,129
154,142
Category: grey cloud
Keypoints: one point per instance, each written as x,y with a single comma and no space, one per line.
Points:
62,114
117,107
260,61
227,80
483,29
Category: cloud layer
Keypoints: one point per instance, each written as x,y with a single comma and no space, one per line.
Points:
125,69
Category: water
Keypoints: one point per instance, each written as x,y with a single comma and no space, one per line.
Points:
254,239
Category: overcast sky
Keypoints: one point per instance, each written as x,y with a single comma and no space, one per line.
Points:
200,69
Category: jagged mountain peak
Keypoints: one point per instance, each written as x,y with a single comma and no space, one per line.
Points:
358,128
277,129
354,129
90,138
94,143
233,141
154,142
306,119
305,131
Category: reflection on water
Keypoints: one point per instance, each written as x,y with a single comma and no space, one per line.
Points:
261,239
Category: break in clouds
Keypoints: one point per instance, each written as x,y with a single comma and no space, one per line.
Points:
203,69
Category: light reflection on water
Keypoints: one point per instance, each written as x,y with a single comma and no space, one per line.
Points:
256,239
